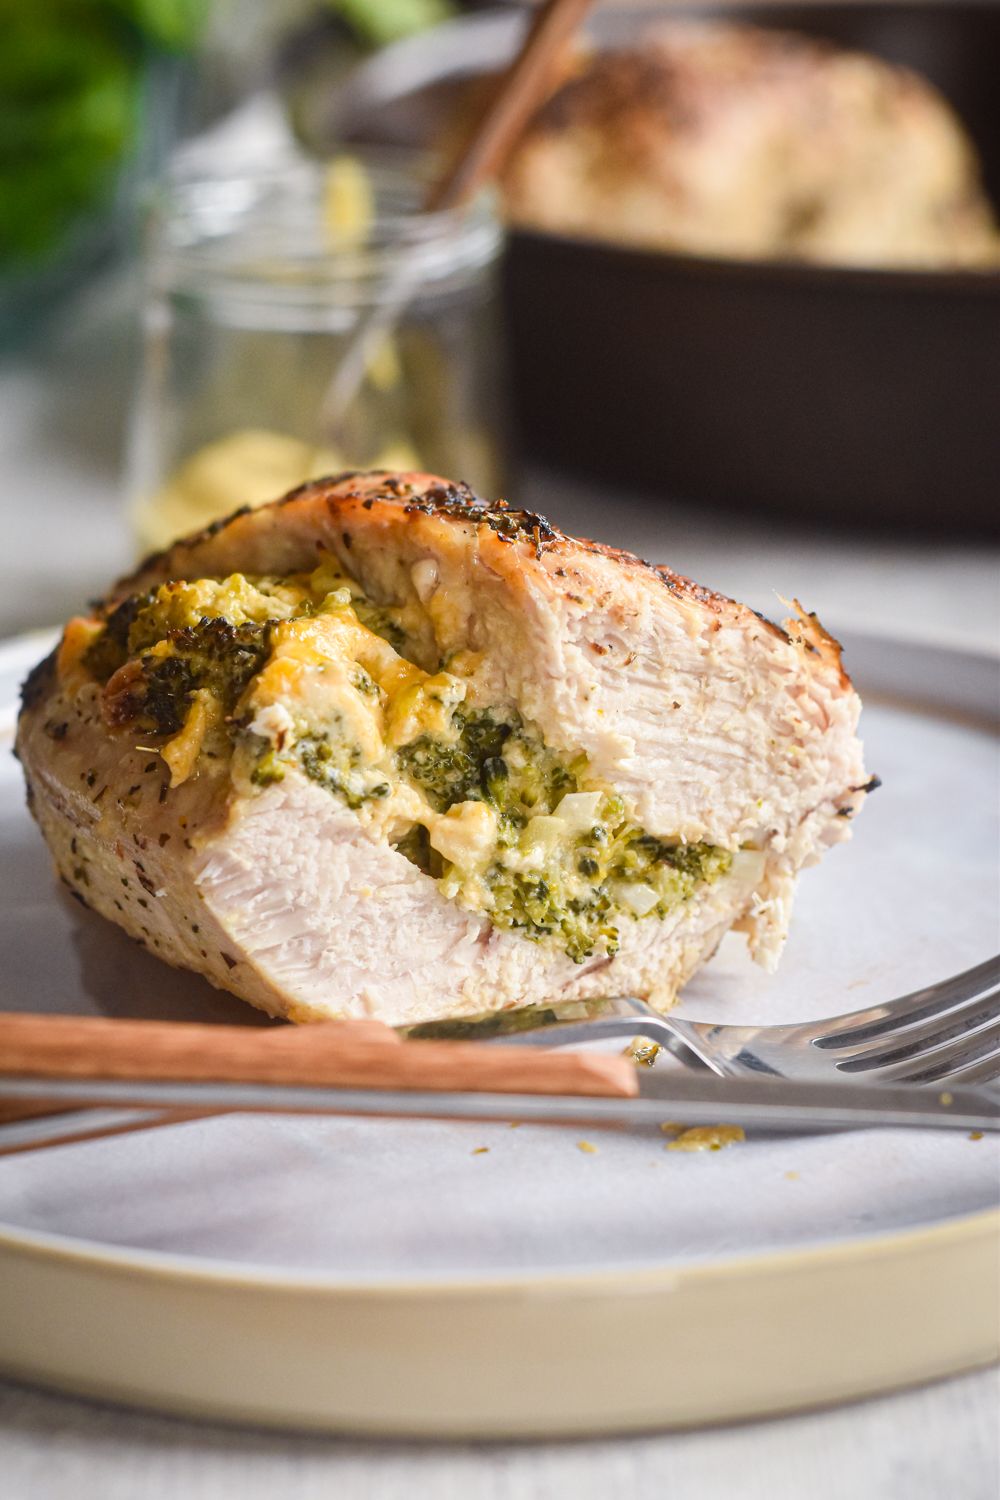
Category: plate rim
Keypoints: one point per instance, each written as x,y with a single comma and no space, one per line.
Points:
616,1357
160,1265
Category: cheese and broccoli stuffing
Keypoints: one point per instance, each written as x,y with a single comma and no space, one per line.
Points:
264,676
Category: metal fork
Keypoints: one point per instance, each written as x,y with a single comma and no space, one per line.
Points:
949,1030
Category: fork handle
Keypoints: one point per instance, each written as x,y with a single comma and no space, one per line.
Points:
572,1033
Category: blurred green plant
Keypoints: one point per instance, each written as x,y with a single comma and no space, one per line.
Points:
71,93
378,22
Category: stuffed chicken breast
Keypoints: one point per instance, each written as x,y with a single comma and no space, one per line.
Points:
381,749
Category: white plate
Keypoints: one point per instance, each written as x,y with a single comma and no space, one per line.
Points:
384,1276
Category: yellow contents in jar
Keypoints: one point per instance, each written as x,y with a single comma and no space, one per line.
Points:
348,202
248,467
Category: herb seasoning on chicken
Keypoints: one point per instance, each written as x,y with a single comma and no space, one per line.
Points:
381,749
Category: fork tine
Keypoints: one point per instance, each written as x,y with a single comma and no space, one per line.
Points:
919,1005
945,1060
917,1038
963,1052
982,1070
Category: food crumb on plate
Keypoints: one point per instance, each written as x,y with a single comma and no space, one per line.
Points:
643,1051
586,1146
480,1150
791,1176
707,1138
975,1135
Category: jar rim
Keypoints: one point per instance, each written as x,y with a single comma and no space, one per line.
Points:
259,229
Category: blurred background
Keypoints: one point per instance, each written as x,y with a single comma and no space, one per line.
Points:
734,302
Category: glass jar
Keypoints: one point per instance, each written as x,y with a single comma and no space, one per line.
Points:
256,284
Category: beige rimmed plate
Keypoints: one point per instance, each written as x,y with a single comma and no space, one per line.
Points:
391,1277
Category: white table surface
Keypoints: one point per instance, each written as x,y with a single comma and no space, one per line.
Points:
938,1443
62,409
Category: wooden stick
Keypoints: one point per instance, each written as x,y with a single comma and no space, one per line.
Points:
11,1112
519,93
335,1054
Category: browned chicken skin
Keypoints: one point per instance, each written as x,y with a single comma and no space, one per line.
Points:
733,140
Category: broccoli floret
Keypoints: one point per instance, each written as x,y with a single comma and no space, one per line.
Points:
213,654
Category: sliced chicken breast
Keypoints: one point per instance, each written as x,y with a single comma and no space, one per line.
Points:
381,749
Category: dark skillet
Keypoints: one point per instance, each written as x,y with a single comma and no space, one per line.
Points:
866,397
